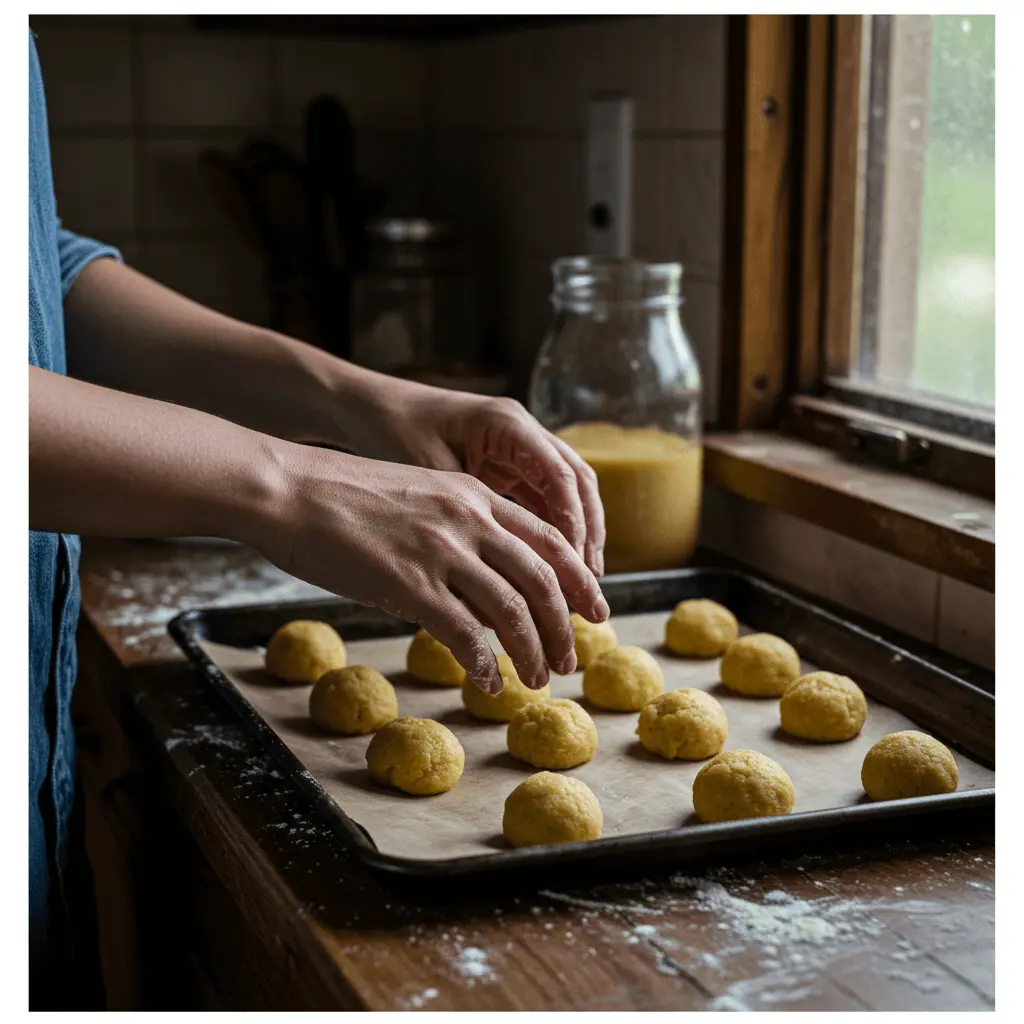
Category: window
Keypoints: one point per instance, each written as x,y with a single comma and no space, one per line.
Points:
922,315
858,342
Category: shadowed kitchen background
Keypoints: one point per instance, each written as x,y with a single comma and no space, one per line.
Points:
495,125
488,130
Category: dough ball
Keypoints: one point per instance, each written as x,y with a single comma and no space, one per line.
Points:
742,784
302,651
552,734
549,808
688,724
823,706
355,699
502,706
592,639
623,679
700,629
906,764
431,662
759,665
416,755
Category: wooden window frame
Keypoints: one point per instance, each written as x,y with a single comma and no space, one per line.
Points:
913,477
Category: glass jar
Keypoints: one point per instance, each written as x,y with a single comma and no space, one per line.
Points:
616,378
415,304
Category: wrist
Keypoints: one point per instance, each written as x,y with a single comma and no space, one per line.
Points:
259,502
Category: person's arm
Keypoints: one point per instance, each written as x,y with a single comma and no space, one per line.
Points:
437,548
128,332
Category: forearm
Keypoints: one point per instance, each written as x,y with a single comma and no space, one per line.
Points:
126,331
106,463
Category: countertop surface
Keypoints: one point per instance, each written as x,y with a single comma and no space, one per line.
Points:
897,924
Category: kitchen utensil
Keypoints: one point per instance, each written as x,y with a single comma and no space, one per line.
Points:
334,216
280,191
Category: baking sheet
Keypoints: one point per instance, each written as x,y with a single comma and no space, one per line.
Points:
639,792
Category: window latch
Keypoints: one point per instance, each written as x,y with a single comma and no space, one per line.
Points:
889,444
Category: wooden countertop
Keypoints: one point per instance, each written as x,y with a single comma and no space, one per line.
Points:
219,889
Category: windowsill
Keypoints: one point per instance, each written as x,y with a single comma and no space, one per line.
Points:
948,531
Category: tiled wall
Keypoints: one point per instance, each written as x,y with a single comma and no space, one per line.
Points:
499,121
133,100
953,616
507,115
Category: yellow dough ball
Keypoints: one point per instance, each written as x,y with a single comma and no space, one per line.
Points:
700,629
552,734
592,639
908,764
823,706
302,651
355,699
501,706
688,724
431,662
416,755
549,808
759,665
623,679
742,784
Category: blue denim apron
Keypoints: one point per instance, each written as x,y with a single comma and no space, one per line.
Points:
56,256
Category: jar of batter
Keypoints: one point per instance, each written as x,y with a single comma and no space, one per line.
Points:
616,378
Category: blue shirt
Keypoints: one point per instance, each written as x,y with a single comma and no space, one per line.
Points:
55,258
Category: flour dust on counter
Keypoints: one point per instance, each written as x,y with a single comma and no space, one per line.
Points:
147,601
769,949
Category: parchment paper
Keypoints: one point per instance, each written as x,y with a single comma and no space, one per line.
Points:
638,791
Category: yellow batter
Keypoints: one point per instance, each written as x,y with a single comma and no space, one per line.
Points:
650,483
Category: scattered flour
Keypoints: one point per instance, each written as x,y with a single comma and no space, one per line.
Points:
149,600
418,1001
926,983
576,901
223,737
798,938
472,964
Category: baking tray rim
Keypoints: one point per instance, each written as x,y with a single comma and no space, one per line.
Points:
704,838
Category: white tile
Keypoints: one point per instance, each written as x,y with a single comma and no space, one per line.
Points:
474,84
221,274
967,622
131,253
673,67
175,195
535,190
526,311
456,170
94,180
700,319
393,160
677,197
872,583
197,80
87,75
382,83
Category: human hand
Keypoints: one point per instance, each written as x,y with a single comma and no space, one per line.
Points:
437,548
495,440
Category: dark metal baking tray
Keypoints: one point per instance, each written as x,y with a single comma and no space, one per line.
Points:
960,714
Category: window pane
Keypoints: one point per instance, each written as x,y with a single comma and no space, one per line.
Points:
927,298
955,351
